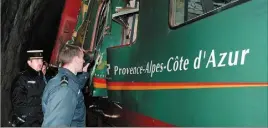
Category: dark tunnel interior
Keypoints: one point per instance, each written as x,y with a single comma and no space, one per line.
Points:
25,24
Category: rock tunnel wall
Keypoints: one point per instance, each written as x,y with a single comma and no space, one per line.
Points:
25,24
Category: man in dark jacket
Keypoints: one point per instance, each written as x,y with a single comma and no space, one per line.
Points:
26,92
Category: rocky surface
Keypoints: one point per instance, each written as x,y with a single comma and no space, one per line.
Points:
25,24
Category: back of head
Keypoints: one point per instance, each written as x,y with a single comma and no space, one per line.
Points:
67,53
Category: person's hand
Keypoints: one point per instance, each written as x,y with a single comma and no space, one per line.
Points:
85,68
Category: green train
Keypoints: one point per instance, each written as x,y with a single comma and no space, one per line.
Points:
186,63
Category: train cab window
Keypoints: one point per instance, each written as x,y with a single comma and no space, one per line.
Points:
128,18
130,31
182,11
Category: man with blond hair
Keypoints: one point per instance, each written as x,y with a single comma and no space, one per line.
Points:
63,100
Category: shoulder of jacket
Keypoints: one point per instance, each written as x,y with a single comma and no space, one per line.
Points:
19,80
59,82
20,76
23,74
64,81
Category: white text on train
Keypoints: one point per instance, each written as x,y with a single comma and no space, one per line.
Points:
179,63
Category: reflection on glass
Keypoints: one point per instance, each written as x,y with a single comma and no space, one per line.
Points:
194,8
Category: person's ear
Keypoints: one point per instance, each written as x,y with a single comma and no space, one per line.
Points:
29,62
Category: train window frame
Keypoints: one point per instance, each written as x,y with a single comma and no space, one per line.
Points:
172,20
131,31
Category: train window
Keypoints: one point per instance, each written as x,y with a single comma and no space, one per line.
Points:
130,30
128,18
186,10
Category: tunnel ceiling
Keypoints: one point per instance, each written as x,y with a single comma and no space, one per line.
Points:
25,24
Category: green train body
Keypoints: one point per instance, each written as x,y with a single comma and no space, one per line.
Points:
181,66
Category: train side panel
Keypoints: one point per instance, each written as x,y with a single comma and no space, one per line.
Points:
212,72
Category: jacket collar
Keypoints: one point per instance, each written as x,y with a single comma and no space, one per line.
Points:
33,72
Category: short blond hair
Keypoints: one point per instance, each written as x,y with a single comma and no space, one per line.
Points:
68,52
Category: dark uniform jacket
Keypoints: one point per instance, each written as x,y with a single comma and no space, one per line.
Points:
26,93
